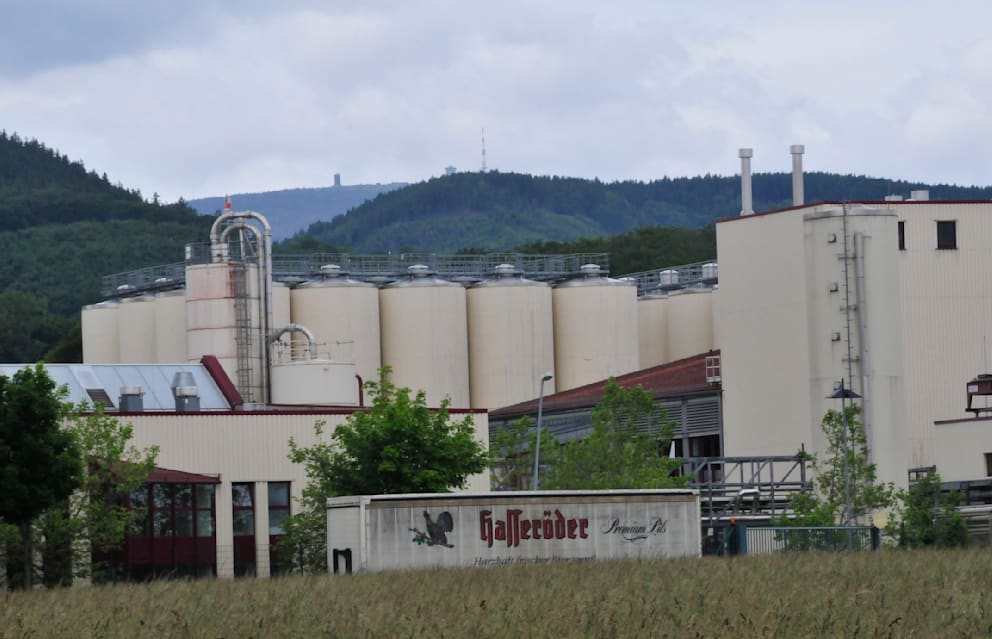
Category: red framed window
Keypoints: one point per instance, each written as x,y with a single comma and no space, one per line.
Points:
243,511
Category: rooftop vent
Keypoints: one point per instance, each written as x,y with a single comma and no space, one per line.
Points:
132,400
185,392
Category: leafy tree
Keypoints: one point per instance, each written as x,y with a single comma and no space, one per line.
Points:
834,478
628,447
929,516
94,519
398,445
512,464
42,464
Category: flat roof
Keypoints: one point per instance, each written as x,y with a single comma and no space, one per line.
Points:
102,382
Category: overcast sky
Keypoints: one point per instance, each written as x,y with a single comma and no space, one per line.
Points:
202,97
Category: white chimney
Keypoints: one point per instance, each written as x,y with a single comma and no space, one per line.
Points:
798,197
745,155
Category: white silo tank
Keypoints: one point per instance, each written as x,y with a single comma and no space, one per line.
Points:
652,329
136,319
170,327
690,322
101,328
595,321
280,305
511,339
425,336
343,315
212,323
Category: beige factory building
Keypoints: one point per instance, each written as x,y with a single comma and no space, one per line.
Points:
888,296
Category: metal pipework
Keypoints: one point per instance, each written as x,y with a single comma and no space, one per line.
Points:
862,302
296,328
218,250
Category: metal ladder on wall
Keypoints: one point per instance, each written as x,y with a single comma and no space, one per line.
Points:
243,329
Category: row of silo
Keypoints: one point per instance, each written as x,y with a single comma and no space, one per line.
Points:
484,346
677,324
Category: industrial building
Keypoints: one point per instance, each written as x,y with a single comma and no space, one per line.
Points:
879,296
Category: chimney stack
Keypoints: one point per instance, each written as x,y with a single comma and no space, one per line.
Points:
745,155
798,196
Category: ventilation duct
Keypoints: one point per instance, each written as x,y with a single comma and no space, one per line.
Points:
798,194
185,392
131,400
746,205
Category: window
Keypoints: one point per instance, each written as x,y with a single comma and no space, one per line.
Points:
171,534
278,512
243,511
947,234
988,464
902,236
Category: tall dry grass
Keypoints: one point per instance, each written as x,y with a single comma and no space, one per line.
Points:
883,594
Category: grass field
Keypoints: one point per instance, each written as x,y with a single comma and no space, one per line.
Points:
882,594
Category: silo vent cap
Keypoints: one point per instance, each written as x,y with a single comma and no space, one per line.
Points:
331,270
505,270
590,270
419,270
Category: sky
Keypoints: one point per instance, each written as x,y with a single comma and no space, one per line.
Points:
197,98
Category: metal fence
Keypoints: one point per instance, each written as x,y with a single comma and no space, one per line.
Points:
386,267
765,540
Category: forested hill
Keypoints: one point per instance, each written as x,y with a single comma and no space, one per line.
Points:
62,228
503,210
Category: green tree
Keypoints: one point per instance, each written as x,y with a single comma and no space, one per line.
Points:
929,516
845,468
397,445
94,519
512,464
628,447
42,464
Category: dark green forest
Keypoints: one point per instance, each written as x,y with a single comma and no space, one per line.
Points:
61,228
499,211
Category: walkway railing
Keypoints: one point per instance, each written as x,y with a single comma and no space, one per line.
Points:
765,540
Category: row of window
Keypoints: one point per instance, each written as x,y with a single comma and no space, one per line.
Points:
947,235
173,530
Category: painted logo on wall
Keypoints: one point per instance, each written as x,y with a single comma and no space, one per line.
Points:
435,533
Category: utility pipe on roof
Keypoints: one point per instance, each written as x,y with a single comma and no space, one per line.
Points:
745,156
798,196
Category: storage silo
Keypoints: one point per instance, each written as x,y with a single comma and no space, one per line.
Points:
425,336
136,319
281,312
343,314
100,327
221,303
690,322
652,329
595,319
170,327
510,338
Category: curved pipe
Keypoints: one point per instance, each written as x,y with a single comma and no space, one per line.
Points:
297,328
218,250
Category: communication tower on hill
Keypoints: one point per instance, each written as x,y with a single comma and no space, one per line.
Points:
484,169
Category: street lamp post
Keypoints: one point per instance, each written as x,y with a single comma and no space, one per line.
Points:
843,394
540,414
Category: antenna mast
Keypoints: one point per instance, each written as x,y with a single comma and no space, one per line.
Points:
484,169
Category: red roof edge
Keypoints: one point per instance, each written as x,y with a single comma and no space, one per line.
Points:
224,383
170,476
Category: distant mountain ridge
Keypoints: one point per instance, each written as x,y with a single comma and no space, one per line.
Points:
292,210
499,211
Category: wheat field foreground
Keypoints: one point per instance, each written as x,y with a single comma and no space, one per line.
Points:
883,594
